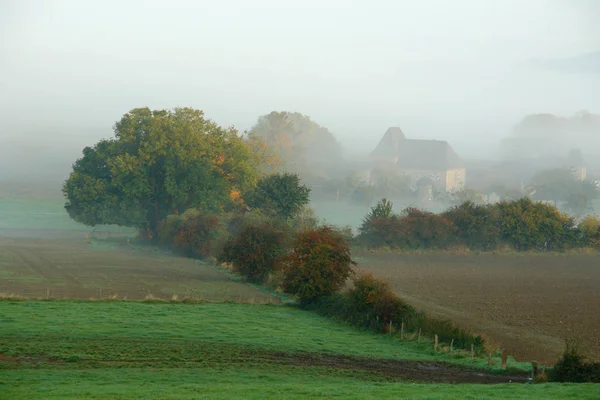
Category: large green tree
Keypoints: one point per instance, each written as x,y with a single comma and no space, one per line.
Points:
158,163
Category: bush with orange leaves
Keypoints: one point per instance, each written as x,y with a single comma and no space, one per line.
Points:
318,265
255,251
190,233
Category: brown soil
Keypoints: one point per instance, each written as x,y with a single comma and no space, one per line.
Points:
528,304
423,371
418,371
71,268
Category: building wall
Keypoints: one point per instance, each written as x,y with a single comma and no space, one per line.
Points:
455,179
437,176
580,173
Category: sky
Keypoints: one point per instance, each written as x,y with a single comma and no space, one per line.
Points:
465,71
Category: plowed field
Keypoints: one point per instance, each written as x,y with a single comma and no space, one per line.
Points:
528,304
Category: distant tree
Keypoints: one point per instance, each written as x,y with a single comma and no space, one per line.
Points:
279,194
158,163
559,185
391,183
299,142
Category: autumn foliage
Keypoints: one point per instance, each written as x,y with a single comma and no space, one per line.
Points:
191,233
318,265
522,225
374,299
256,251
412,229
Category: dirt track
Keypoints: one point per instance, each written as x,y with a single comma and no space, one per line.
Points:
403,370
528,304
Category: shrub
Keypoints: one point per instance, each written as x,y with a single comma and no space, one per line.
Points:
425,229
319,264
374,304
190,233
589,229
476,226
256,251
572,367
412,229
527,225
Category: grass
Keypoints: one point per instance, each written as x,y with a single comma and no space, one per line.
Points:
243,382
43,214
66,328
134,350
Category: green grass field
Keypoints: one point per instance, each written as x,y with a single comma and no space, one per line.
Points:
42,217
133,350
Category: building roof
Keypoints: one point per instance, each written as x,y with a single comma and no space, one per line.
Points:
416,153
575,158
390,143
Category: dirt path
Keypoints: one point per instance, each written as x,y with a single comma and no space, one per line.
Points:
403,370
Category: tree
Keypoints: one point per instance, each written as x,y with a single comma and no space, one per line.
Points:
532,225
279,194
318,265
391,183
382,210
477,226
559,185
159,162
300,143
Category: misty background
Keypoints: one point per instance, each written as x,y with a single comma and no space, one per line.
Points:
465,71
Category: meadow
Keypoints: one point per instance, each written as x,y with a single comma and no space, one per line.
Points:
116,349
220,345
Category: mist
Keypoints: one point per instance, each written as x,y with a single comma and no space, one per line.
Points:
464,71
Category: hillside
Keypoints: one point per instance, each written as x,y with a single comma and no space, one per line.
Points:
68,349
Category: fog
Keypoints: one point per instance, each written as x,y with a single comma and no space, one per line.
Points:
465,71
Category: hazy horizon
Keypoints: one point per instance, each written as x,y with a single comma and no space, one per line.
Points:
462,71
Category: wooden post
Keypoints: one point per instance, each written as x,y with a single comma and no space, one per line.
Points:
419,336
435,342
391,327
504,359
534,369
402,330
472,353
489,358
452,347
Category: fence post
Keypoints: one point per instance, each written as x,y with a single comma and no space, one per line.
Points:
452,347
402,330
489,358
504,359
534,369
472,352
435,342
419,336
391,327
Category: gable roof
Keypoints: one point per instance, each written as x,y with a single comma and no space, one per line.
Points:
427,154
390,143
416,153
